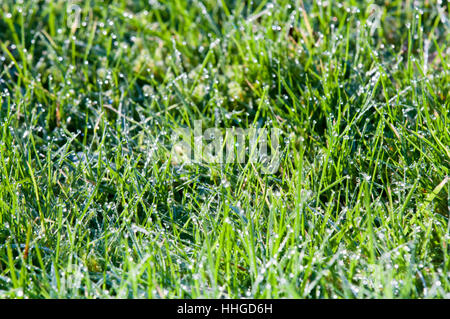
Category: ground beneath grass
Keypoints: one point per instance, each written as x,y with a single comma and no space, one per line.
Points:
96,202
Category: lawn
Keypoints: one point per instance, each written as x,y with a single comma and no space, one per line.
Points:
112,187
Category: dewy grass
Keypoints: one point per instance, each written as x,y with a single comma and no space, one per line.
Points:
95,201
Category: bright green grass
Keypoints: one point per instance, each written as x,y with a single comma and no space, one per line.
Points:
92,205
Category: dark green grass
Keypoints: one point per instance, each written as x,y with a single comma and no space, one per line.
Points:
92,203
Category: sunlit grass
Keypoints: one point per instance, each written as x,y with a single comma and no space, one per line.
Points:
92,203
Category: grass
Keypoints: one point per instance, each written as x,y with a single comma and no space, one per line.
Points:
93,205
